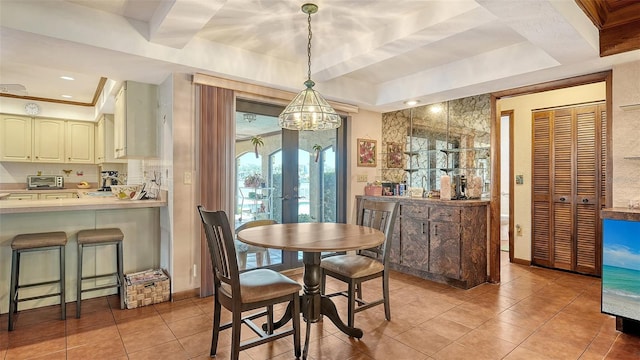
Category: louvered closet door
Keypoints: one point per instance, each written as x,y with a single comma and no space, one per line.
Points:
563,199
541,199
589,187
567,228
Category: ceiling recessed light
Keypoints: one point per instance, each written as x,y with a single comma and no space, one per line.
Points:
411,102
66,78
67,96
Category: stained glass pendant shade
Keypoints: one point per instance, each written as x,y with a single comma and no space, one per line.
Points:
309,110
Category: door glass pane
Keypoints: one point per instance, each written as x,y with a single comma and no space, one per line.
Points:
317,174
283,175
256,184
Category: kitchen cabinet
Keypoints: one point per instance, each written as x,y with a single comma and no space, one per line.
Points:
105,150
432,243
79,142
15,133
48,141
43,140
135,130
413,237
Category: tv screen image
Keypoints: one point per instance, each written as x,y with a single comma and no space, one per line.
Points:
621,268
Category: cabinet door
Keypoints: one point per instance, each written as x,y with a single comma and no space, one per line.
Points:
444,248
22,196
15,138
53,196
79,142
48,141
99,141
415,244
119,119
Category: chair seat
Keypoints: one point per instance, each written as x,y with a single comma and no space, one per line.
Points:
353,266
39,240
99,236
262,284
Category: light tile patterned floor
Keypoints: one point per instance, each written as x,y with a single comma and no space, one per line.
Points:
533,314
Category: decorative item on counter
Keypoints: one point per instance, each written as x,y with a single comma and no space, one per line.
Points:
83,185
415,192
373,190
434,194
474,187
79,173
67,172
128,192
445,187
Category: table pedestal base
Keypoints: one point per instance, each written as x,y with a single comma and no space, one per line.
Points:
313,304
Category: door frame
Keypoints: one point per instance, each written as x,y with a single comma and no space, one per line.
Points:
494,213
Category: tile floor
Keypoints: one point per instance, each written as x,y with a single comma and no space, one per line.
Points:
533,314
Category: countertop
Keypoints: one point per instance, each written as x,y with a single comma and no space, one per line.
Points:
74,204
472,202
620,213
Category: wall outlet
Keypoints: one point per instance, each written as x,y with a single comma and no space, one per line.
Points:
362,178
187,178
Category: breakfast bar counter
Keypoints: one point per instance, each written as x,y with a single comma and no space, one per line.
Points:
139,221
74,204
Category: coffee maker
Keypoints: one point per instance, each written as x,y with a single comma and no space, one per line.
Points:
109,177
460,187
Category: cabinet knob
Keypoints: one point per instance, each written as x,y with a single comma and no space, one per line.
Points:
563,199
585,200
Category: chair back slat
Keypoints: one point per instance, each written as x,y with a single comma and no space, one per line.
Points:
221,248
380,215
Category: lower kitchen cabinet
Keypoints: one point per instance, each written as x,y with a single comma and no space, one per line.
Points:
440,240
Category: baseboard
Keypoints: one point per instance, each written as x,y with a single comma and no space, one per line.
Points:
187,294
521,261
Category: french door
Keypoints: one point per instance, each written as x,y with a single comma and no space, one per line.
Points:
285,175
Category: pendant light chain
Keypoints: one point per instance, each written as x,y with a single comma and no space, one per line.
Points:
309,48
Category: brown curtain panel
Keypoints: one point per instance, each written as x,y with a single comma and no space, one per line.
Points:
217,165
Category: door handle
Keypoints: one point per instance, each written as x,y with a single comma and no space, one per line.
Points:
284,197
299,197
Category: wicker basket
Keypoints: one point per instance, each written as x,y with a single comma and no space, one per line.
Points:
146,288
373,190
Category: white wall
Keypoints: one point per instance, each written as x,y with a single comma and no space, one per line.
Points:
626,134
522,107
364,124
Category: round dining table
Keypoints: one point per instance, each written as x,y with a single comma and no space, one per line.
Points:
313,239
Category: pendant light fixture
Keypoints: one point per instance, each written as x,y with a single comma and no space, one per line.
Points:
309,110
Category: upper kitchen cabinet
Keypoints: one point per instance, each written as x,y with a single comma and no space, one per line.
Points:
79,142
15,133
135,130
48,141
26,139
104,141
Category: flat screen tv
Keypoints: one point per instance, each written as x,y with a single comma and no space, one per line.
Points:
621,268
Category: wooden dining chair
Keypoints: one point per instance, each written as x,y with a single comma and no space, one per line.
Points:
364,265
254,289
242,249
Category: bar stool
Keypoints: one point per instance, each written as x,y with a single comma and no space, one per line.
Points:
101,237
35,242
